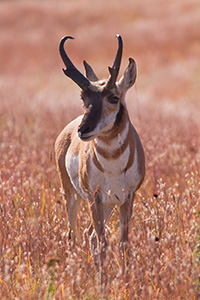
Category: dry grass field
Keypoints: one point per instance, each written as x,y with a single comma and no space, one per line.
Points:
37,101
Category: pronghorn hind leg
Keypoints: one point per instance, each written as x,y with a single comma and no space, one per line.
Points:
94,247
73,204
125,216
71,197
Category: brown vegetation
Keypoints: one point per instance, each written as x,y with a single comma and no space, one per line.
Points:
36,103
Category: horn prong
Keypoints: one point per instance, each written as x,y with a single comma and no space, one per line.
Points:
114,71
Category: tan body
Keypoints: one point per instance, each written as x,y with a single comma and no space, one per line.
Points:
100,158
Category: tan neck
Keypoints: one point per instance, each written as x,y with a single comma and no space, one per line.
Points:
114,143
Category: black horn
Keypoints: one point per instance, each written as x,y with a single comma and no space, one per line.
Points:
114,71
71,70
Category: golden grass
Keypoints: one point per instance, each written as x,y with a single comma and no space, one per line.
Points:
36,103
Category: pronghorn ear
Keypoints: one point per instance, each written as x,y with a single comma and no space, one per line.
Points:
89,72
129,77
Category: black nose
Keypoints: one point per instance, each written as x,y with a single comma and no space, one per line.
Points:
83,129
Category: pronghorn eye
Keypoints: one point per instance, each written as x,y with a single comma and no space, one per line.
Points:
113,100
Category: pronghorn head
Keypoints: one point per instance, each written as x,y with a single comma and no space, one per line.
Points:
103,100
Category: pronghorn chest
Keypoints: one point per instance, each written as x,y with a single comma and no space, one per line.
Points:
118,177
113,173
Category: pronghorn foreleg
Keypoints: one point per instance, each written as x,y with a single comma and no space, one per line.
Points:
125,216
98,241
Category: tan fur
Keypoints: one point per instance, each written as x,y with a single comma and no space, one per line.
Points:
94,158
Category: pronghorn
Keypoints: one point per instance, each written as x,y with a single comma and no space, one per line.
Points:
99,155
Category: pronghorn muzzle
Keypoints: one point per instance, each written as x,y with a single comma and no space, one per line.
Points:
91,116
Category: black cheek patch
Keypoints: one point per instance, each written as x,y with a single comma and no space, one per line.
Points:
93,111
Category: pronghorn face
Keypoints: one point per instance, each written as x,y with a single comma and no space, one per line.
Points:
100,111
101,98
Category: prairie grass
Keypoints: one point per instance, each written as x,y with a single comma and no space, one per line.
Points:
36,261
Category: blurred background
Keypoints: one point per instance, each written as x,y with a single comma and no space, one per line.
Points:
162,36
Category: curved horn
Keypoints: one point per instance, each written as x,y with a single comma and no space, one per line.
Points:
71,70
114,71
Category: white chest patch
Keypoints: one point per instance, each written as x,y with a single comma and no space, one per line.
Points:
113,182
